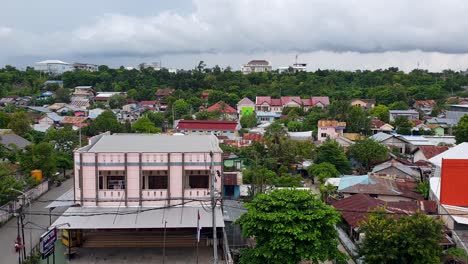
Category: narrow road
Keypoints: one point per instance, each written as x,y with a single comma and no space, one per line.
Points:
9,230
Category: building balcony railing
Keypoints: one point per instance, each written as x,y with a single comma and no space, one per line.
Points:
196,192
111,194
154,194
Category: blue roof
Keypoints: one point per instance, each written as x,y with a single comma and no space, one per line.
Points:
351,180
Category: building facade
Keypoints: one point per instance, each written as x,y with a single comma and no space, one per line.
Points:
256,66
331,129
53,67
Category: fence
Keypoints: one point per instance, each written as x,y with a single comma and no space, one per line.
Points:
7,210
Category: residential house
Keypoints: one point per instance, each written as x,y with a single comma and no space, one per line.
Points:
267,117
391,141
410,114
51,119
301,136
53,67
449,187
441,126
245,106
268,104
426,106
378,125
161,95
10,141
94,113
204,96
329,129
344,142
104,97
456,112
205,127
396,171
355,209
365,104
56,106
232,168
427,152
75,122
52,82
412,142
296,67
45,95
138,175
39,109
150,105
227,111
85,67
82,96
379,187
256,66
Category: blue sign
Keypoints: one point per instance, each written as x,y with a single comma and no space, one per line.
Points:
47,242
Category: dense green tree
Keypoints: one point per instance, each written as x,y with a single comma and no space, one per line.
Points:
323,171
398,105
406,239
461,130
64,162
381,112
331,152
403,125
107,121
19,123
357,120
248,120
259,177
4,119
205,115
368,152
181,108
64,139
290,226
39,157
116,101
8,181
62,95
157,118
294,126
144,125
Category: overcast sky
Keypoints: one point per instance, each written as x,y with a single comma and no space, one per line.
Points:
333,34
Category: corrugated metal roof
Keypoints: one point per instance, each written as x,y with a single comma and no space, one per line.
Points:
381,136
136,217
156,143
457,152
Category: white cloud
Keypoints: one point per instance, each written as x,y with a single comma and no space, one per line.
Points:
265,26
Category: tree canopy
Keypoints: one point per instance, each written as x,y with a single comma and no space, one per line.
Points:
290,226
331,152
407,239
461,130
368,152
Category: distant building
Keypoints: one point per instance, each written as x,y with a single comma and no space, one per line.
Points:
296,67
330,129
427,152
410,114
227,111
425,105
268,104
161,95
365,104
85,67
391,141
105,96
456,112
256,66
206,127
378,125
53,67
245,106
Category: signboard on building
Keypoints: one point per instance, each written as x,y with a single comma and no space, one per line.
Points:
47,243
246,111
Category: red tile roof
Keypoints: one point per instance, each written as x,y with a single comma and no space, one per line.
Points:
377,123
73,120
354,209
424,103
147,102
207,125
222,107
432,151
252,137
164,92
320,99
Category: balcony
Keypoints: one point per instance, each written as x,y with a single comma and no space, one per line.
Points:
157,194
196,192
115,195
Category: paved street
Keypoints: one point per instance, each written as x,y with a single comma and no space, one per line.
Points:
9,230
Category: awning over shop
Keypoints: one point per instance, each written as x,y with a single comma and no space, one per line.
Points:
136,217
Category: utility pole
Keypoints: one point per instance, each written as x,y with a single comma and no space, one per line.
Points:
213,210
